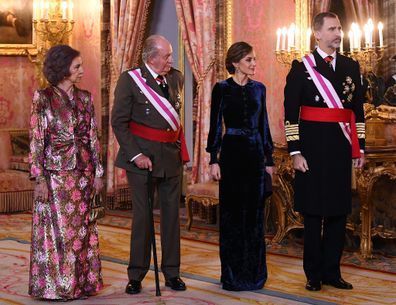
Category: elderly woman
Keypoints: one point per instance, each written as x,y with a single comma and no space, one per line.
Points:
65,162
244,169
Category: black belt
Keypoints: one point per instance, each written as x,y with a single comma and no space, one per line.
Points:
241,131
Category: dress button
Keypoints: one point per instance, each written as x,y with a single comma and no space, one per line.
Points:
146,102
168,129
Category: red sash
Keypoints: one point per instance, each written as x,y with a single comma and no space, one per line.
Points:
160,135
316,114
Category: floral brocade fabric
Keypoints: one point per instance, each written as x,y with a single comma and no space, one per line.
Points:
64,149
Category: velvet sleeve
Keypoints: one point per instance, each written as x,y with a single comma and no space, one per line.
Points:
265,131
215,129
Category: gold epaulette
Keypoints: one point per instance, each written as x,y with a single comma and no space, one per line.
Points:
292,132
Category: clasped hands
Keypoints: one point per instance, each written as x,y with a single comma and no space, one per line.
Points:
301,164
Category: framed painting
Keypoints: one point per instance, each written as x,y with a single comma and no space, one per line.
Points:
16,31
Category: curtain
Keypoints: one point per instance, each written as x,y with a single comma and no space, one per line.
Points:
197,21
387,67
128,19
319,6
355,10
361,10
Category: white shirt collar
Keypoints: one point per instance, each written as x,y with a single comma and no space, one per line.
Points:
154,74
323,54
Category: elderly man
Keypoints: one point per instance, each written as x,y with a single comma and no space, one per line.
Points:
145,120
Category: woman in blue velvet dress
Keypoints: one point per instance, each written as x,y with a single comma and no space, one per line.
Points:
244,165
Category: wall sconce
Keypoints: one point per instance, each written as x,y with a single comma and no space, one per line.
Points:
293,43
52,24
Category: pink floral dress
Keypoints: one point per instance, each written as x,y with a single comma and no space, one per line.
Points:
64,149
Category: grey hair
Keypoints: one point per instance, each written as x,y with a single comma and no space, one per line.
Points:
150,46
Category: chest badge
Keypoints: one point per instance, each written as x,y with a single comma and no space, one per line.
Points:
178,101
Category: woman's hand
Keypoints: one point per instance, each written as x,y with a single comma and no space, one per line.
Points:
215,171
270,170
41,191
98,184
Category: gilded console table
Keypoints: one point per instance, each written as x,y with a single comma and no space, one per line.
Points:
286,218
380,163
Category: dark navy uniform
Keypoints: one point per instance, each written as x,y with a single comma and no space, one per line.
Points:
323,193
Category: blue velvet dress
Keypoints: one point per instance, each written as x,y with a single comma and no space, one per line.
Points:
245,149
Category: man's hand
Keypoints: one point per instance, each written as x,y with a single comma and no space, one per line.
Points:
143,162
359,162
215,171
299,163
41,191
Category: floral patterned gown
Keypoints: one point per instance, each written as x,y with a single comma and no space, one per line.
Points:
64,149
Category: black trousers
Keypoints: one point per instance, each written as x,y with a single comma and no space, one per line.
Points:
324,239
169,191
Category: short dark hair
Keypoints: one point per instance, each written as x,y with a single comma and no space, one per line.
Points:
318,20
57,63
235,53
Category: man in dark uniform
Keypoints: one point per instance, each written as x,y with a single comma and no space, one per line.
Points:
142,132
320,149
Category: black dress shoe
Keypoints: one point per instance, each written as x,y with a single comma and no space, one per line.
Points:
313,285
133,287
338,283
175,283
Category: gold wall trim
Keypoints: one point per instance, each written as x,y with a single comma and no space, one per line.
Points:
180,63
302,21
228,23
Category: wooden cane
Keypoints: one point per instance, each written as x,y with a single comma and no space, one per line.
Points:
153,244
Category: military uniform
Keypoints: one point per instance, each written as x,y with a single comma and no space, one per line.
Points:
131,105
324,191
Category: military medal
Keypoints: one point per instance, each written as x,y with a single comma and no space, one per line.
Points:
177,103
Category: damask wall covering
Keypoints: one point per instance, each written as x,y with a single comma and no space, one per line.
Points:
17,81
256,21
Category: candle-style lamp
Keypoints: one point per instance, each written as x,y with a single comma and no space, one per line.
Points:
368,55
52,24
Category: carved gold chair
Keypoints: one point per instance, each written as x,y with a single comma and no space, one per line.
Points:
206,194
16,190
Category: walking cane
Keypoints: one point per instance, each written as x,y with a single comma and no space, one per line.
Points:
150,205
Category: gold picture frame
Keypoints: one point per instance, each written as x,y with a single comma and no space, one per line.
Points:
12,40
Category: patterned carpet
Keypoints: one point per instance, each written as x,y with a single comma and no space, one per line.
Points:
200,270
291,246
